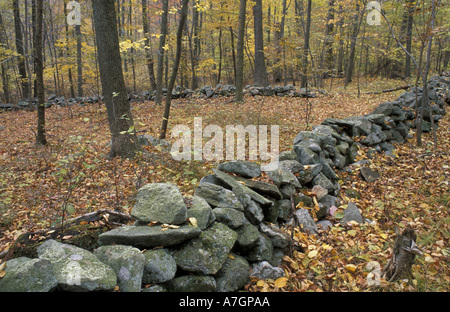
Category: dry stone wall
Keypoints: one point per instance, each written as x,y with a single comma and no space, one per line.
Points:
231,229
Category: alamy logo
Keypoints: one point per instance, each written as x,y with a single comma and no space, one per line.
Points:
213,150
74,16
374,15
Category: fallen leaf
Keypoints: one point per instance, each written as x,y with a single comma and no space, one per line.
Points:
351,268
281,282
312,254
193,221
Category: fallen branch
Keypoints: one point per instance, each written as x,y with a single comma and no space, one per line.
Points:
390,90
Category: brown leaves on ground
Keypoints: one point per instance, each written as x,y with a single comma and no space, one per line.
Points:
72,175
413,191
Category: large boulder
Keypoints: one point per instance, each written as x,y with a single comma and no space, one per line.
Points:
240,189
28,275
234,274
306,222
192,283
160,202
128,264
159,266
149,236
202,212
217,196
351,213
77,269
231,217
246,169
263,270
207,253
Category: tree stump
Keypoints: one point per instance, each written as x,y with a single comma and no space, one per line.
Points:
405,250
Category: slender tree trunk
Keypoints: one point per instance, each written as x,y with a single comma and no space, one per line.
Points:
162,43
279,35
340,61
239,97
39,67
124,142
233,53
148,53
409,25
425,99
351,59
328,49
4,72
69,70
196,47
79,61
306,46
184,9
260,73
219,75
20,48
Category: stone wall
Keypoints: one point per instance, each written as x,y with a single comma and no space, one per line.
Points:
232,228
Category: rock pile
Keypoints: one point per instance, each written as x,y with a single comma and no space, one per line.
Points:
231,228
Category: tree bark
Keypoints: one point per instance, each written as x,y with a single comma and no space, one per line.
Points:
124,142
79,61
306,47
328,49
184,9
4,72
39,67
351,59
410,12
69,70
239,97
196,48
260,72
162,43
20,49
405,250
148,53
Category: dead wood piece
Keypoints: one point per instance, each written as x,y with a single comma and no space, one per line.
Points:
405,250
390,90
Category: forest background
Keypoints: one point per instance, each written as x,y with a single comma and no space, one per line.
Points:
332,46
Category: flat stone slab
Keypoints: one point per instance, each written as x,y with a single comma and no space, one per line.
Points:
149,236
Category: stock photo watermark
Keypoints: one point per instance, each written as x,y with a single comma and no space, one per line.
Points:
374,16
74,16
213,150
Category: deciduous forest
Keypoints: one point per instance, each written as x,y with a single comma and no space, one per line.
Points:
94,93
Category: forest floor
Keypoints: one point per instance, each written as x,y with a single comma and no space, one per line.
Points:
72,172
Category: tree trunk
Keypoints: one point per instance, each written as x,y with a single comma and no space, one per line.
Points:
162,43
425,99
306,46
148,53
124,142
69,70
4,72
279,35
39,67
20,49
328,49
239,97
260,73
409,24
405,250
351,58
79,61
196,47
233,52
219,74
184,9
